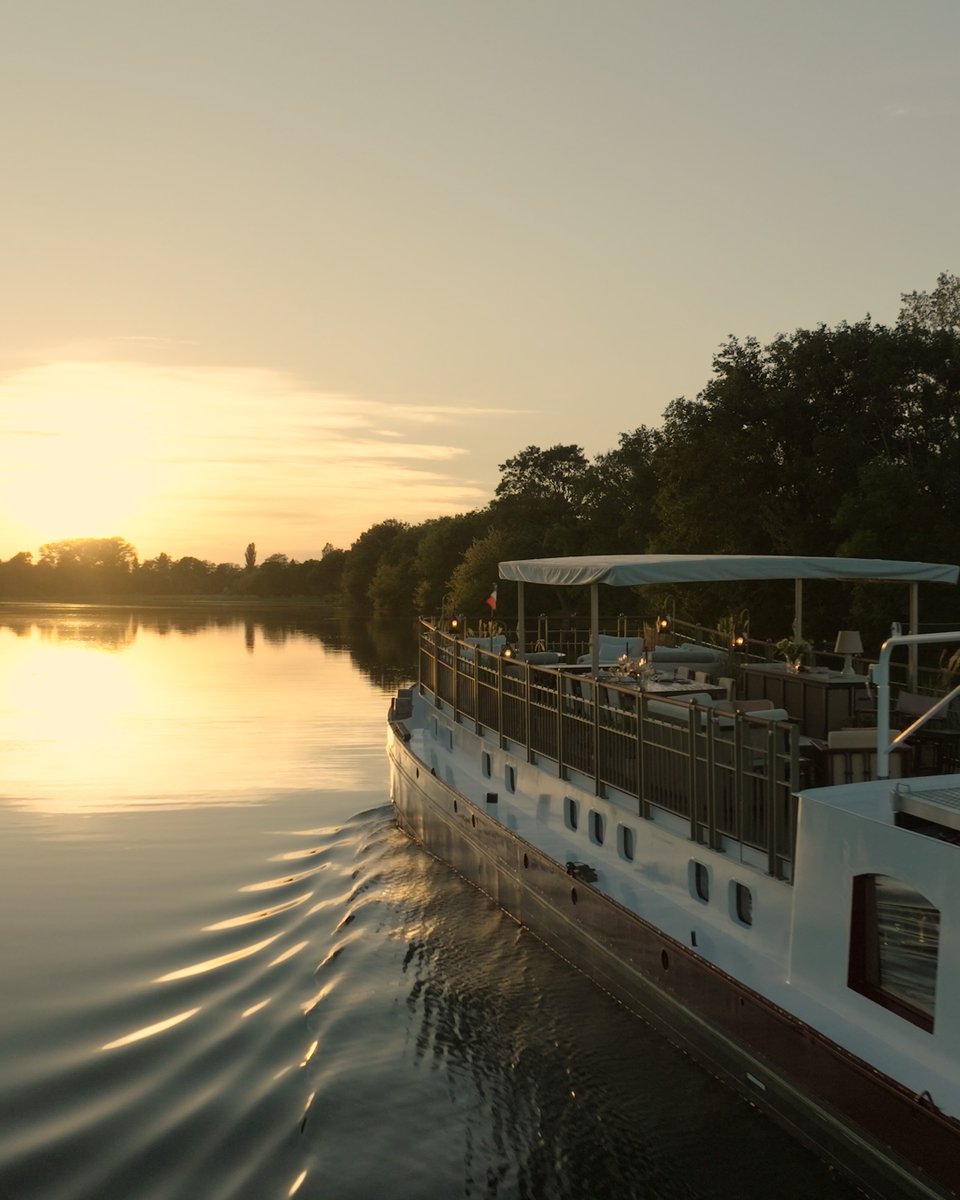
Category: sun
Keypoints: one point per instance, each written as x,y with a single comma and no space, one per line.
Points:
77,457
76,487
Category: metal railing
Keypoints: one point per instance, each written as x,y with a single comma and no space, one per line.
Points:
562,634
731,777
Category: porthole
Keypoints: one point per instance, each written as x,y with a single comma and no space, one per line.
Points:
571,813
485,764
473,820
598,823
526,861
573,895
455,808
699,881
743,903
511,779
626,842
664,960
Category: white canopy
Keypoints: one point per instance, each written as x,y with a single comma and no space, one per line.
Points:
627,570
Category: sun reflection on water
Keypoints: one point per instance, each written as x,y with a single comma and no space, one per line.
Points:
150,1030
90,723
212,964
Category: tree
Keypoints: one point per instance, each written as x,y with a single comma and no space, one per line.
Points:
87,566
323,577
154,574
250,556
17,575
770,457
476,575
372,547
90,553
936,310
191,576
441,545
541,492
620,495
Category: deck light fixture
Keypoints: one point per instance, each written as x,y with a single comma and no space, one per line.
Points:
848,644
738,643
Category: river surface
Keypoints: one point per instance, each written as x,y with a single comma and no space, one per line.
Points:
224,973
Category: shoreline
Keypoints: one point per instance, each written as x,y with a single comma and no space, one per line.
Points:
281,603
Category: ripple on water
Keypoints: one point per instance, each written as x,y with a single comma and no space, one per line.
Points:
387,1031
197,1072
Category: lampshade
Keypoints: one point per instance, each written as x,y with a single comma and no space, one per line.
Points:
848,642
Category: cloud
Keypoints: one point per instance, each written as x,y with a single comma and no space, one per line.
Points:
174,457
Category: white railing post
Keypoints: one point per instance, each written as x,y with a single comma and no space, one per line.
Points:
881,677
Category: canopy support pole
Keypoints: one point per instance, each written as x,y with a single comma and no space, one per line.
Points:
521,618
594,629
913,660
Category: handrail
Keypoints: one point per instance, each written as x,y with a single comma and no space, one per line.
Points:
881,677
731,776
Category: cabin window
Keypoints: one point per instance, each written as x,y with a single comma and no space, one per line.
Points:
894,946
571,813
598,825
449,733
485,764
699,881
510,777
627,842
743,903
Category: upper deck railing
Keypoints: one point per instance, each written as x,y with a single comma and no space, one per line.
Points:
733,778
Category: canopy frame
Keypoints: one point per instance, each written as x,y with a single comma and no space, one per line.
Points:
632,570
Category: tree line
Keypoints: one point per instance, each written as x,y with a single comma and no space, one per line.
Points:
842,440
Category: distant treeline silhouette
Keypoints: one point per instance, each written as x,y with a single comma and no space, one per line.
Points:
841,440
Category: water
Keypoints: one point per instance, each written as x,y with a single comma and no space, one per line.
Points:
225,973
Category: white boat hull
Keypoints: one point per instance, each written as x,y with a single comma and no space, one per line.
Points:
892,1142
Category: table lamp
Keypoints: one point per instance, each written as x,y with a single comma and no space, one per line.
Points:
849,643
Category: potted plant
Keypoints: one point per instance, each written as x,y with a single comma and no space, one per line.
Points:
795,651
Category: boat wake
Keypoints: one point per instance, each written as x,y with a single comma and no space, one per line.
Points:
350,1020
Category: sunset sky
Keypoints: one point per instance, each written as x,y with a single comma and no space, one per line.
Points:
276,271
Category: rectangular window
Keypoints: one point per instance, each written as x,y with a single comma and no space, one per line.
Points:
894,945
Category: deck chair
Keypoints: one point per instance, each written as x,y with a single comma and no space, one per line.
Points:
852,756
729,686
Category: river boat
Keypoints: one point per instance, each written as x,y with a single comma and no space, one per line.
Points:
774,886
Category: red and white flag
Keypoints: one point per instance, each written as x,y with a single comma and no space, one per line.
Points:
492,599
